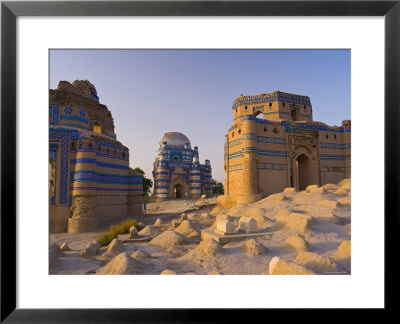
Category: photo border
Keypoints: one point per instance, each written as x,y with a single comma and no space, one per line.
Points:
10,10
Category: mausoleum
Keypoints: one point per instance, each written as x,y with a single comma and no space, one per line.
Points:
177,171
90,179
274,143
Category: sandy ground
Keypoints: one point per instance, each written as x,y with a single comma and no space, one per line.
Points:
328,209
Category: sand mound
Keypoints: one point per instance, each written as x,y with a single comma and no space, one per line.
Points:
55,249
317,263
258,213
289,189
206,216
344,250
194,234
149,231
315,189
65,247
328,203
214,272
187,228
347,229
345,201
252,247
177,251
168,239
279,266
90,250
330,186
122,264
207,250
140,255
54,253
297,222
158,222
278,197
218,210
345,183
114,248
168,272
297,242
319,212
342,191
238,209
192,216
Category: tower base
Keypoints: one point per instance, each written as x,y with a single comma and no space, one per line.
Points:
228,201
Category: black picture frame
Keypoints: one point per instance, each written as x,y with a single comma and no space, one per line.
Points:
10,10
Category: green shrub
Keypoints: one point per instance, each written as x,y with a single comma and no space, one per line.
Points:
123,228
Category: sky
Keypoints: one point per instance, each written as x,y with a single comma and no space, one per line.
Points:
151,92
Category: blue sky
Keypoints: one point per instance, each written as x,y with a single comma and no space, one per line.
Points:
150,92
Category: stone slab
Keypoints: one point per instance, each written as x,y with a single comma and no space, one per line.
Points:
223,239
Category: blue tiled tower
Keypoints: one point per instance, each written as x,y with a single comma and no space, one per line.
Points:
177,171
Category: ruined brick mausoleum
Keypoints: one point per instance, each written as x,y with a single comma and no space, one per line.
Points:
274,143
90,179
177,172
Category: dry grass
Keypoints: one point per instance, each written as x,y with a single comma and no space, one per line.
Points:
123,228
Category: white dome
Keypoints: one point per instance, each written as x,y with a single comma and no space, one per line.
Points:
175,138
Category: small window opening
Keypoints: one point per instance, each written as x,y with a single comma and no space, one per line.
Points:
239,131
96,127
233,133
176,159
245,107
326,136
265,129
259,114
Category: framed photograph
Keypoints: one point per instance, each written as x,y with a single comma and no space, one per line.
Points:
230,128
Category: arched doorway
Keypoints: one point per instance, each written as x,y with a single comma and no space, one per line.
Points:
304,171
179,192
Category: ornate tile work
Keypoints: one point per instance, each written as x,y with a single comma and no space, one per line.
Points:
258,120
64,138
82,113
264,139
332,157
53,147
335,145
53,115
272,166
316,127
81,119
68,110
259,152
270,97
